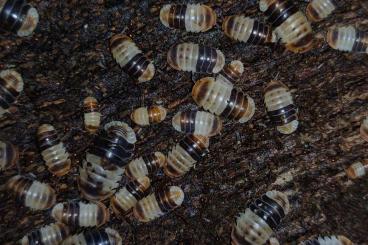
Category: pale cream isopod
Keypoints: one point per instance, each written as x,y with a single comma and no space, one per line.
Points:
9,155
145,116
328,240
92,117
145,165
105,236
52,234
357,169
318,10
348,38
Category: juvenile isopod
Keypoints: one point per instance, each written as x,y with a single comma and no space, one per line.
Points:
80,214
185,154
53,150
197,122
52,234
364,129
290,24
256,225
125,199
131,59
318,10
105,236
221,98
9,155
157,204
280,107
328,240
145,116
348,38
247,30
18,16
189,17
195,58
31,193
145,165
357,169
11,85
92,117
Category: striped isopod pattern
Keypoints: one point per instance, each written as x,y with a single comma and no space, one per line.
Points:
145,116
281,108
131,59
290,24
364,129
357,169
53,150
126,198
348,38
318,10
92,117
11,85
189,17
9,155
256,225
31,193
52,234
221,98
105,236
145,165
18,16
80,214
159,203
328,240
197,122
195,58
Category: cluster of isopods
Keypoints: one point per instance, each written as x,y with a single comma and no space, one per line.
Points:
108,160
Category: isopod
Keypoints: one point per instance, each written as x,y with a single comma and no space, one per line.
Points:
157,204
197,122
357,169
52,234
221,98
280,107
18,16
328,240
189,17
53,150
195,58
105,236
31,193
9,155
185,154
364,129
92,117
256,225
11,85
290,24
145,165
348,38
247,30
131,59
80,214
125,199
145,116
318,10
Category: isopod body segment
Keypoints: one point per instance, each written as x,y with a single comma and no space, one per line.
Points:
328,240
318,10
348,38
52,234
195,58
105,236
364,129
92,116
9,155
11,85
131,59
145,165
256,225
357,169
159,203
189,17
145,116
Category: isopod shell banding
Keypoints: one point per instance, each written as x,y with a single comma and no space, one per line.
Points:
290,24
79,214
189,17
31,193
131,59
358,169
348,38
18,16
197,122
145,116
9,155
195,58
364,129
256,225
105,236
280,107
92,117
318,10
11,85
328,240
145,165
157,204
52,234
53,150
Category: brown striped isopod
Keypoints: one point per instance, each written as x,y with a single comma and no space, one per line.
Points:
280,107
92,117
256,225
189,17
11,85
131,59
105,236
144,116
18,16
290,24
348,38
9,155
126,198
221,98
197,122
31,193
357,169
145,165
52,234
195,58
159,203
318,10
80,214
53,150
328,240
364,129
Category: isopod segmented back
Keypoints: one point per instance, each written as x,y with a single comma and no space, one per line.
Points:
52,234
348,38
11,85
105,236
318,10
145,116
357,169
9,155
92,117
145,165
328,240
